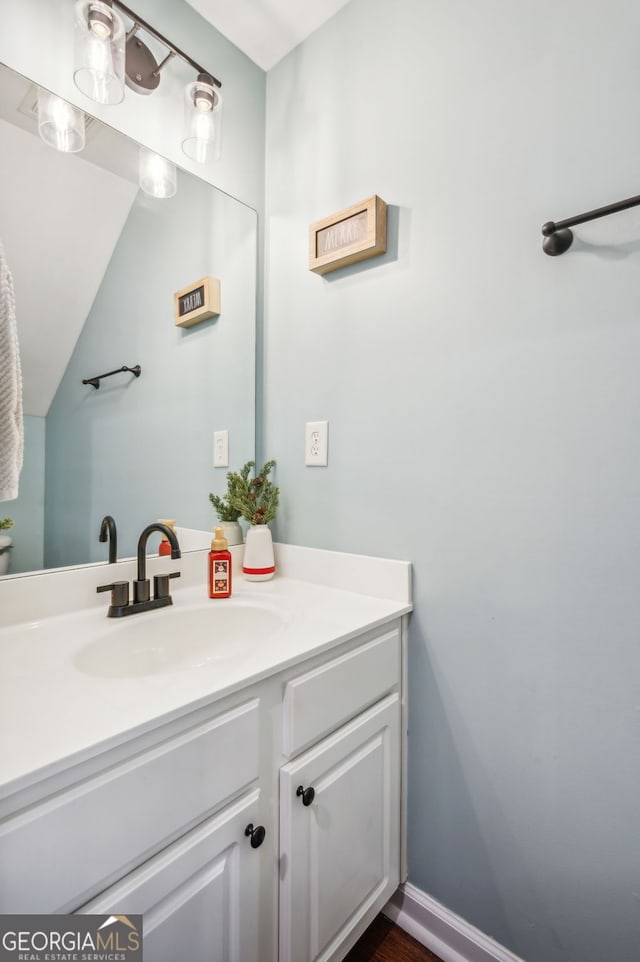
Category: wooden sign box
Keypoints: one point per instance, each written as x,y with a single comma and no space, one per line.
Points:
353,234
197,302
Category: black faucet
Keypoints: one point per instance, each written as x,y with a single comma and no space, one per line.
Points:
142,601
141,584
108,529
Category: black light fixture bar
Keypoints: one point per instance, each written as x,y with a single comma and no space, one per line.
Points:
557,236
176,51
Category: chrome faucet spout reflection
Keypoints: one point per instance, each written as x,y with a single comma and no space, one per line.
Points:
142,600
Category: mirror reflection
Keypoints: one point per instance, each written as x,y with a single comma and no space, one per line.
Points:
96,264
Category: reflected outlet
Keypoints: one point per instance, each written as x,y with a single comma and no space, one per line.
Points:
221,449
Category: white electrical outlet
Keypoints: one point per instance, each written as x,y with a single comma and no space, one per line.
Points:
221,449
315,444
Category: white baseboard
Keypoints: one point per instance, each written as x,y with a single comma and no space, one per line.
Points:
441,931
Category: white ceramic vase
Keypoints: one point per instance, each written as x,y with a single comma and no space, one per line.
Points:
232,531
5,553
258,563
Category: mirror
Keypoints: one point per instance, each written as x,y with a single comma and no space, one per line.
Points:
95,264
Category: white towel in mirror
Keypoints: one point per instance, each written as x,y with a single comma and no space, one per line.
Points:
11,421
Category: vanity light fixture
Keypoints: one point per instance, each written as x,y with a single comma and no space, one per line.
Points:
99,51
157,175
108,57
59,124
202,120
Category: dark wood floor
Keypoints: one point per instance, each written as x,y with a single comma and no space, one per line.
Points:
385,942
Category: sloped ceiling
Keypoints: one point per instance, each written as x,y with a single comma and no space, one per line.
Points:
60,219
266,30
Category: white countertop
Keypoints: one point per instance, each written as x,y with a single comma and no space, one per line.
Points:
52,712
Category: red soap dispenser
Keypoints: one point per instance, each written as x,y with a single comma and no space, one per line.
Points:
164,547
219,566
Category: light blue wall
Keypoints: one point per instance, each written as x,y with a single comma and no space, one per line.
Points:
140,449
483,404
27,510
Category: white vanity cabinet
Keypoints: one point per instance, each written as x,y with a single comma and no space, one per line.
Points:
199,898
340,835
160,825
90,825
340,800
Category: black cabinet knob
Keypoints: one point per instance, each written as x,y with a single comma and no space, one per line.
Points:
257,834
308,794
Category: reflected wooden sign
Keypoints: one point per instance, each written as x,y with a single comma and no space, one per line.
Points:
197,302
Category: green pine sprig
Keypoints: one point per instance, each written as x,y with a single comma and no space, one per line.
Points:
256,499
224,510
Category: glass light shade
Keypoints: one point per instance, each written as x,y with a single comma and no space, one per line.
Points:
59,124
202,134
99,52
158,176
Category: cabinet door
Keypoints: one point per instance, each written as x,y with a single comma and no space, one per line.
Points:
199,897
339,855
114,817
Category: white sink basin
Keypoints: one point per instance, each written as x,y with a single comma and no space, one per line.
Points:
171,639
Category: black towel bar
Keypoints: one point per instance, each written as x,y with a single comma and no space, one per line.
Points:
95,381
557,236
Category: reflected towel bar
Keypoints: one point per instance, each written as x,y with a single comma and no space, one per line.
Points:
557,236
137,370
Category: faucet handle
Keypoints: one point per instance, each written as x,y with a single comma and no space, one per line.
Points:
161,584
119,593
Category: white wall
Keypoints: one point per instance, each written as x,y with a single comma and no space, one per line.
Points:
483,403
